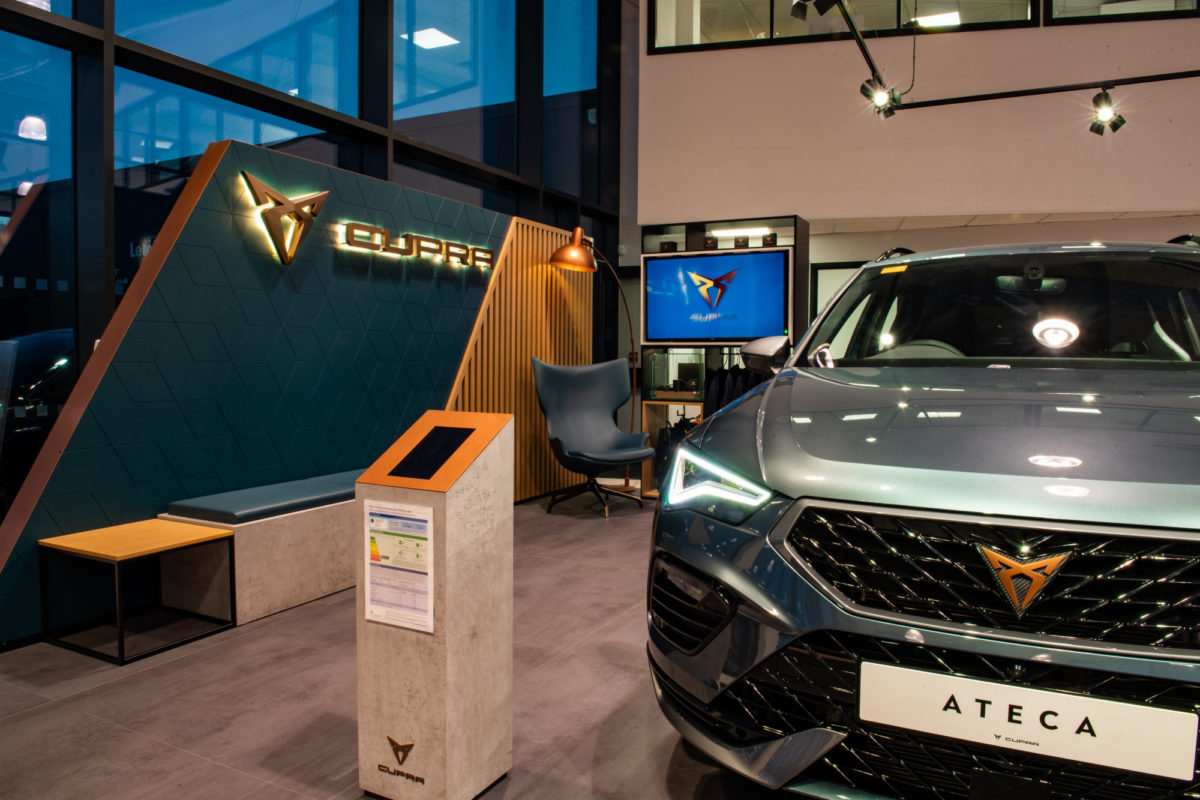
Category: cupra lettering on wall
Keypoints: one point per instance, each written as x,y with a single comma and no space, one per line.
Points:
288,221
408,245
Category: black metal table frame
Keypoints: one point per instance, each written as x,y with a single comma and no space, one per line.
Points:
54,637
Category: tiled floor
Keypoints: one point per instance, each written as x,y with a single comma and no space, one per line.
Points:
268,710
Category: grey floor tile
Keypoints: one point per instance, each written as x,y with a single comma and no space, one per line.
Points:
14,698
60,751
280,705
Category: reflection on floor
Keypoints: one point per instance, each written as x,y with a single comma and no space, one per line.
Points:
267,710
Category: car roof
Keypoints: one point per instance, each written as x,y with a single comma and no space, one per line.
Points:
1042,248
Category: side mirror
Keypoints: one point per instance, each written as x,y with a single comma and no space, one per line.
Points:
766,355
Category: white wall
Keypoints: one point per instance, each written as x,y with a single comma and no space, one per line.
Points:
763,131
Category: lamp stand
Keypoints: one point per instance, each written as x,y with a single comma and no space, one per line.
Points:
633,357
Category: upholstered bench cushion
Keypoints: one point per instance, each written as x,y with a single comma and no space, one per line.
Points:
260,502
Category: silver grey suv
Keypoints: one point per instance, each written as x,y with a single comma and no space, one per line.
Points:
951,548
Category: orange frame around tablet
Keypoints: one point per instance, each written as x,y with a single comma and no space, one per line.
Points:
485,426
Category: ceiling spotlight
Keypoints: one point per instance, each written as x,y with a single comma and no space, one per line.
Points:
1104,114
800,7
884,100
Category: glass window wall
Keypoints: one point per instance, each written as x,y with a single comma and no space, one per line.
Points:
305,48
454,76
570,157
160,131
37,252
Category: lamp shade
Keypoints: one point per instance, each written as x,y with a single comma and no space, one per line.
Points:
575,255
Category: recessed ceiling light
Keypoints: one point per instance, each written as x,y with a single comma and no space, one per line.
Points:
429,38
938,20
725,233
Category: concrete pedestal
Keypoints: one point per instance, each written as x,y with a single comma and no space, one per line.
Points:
435,709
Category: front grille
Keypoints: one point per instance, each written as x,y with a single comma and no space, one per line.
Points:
1124,589
814,682
687,608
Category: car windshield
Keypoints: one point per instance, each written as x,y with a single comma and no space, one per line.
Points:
1032,309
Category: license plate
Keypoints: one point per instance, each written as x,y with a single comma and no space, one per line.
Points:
1119,735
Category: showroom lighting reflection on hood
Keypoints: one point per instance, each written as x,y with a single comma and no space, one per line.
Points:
1062,490
1103,113
1055,462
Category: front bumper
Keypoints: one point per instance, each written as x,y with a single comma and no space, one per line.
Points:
772,693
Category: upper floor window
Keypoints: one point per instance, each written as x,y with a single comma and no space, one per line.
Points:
689,23
1106,10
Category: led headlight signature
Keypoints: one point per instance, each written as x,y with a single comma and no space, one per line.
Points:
700,484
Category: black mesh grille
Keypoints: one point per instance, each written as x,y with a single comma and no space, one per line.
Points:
687,608
1123,589
814,682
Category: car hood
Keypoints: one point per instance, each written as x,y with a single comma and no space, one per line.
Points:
1114,446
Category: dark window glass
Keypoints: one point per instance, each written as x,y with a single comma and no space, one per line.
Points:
456,187
570,136
454,76
160,132
37,252
306,48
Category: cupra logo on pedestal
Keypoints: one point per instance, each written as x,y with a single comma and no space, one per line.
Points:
288,220
704,285
1022,581
401,752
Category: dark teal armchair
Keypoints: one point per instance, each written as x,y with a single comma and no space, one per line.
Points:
579,404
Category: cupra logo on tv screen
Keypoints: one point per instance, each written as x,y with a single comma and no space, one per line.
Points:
734,296
288,221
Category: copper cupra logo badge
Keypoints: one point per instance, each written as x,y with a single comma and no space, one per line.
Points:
706,285
288,220
1022,581
400,751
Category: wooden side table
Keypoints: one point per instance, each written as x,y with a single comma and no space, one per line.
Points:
129,591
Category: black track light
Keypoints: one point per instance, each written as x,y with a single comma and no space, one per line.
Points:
1104,114
800,7
883,100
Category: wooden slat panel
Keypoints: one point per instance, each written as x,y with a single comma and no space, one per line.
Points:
530,309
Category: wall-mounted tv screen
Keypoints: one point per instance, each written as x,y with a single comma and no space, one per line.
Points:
716,296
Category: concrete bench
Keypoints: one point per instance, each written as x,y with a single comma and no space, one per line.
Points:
293,541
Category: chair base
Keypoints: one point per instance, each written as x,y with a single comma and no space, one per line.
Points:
598,489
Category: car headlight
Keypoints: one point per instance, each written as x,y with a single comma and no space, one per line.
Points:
700,484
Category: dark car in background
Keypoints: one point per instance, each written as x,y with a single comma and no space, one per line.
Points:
951,548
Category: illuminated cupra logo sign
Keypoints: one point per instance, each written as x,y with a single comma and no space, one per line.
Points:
288,221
